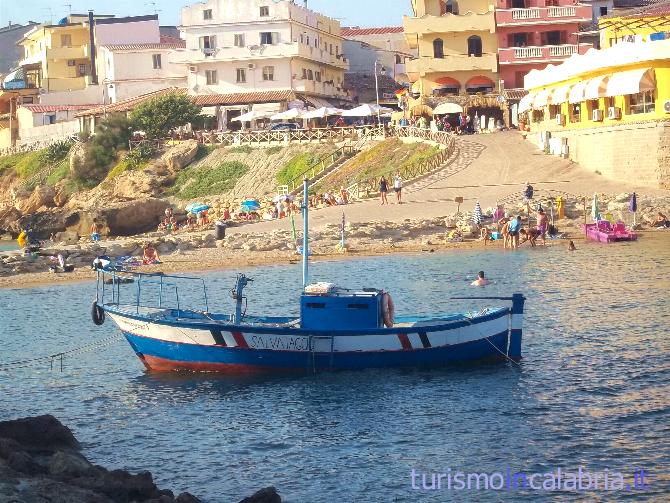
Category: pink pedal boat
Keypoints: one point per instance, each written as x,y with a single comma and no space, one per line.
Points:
605,232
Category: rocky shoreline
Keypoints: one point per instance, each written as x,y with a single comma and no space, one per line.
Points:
41,461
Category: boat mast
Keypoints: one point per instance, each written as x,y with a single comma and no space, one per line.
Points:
305,235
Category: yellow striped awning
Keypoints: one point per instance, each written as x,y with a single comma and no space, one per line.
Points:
631,82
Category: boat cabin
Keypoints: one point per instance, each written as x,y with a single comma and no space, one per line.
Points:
341,310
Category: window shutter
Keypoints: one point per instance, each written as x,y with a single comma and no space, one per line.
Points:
202,42
275,37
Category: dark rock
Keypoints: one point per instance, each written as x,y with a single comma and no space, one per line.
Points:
68,465
186,498
42,433
120,485
21,461
266,495
7,446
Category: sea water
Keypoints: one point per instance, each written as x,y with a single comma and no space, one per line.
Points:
592,390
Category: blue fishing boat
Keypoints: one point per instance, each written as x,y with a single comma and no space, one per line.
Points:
336,328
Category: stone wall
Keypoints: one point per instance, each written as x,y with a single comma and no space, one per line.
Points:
638,153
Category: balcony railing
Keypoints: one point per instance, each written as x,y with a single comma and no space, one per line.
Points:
526,13
511,55
572,13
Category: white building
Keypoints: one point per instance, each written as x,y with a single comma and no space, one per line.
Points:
256,46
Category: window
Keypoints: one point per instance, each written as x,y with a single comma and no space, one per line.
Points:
641,103
269,38
448,7
538,115
317,76
208,44
438,48
157,61
603,11
66,40
591,105
310,75
474,46
207,14
551,3
268,73
553,38
519,40
211,77
72,62
304,74
554,110
241,76
331,49
609,102
239,40
82,70
575,112
265,11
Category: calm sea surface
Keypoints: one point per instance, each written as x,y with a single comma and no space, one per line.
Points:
593,389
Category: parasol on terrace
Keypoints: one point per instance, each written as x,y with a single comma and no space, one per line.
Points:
477,215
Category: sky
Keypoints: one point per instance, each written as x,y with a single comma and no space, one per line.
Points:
349,12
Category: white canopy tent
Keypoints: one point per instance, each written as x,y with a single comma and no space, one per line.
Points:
320,113
292,113
251,116
366,111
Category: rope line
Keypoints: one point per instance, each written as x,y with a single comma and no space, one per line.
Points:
469,320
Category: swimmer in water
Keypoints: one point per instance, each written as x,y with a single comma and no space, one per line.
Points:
571,246
481,280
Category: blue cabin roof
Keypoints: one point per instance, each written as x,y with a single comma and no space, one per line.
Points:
341,310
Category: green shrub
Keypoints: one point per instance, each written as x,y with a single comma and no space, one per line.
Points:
204,180
30,164
10,161
241,149
273,150
159,115
295,167
101,150
61,171
203,151
56,152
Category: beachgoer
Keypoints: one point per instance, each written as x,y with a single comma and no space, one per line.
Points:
571,246
95,233
514,228
485,234
383,189
542,225
397,186
661,221
529,235
454,236
528,193
481,280
226,213
344,195
22,239
150,255
504,232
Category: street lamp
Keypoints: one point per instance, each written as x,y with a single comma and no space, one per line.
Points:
382,72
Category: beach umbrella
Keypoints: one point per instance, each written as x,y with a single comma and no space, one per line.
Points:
320,113
250,205
283,197
291,113
477,215
250,116
196,207
632,206
365,111
594,208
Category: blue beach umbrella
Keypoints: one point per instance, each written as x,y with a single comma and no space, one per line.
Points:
632,206
477,215
196,207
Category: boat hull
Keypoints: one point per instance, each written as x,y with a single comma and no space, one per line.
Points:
163,356
595,234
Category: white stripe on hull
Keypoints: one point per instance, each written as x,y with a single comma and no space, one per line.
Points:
301,342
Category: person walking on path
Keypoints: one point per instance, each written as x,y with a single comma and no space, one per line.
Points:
397,187
528,193
95,232
383,189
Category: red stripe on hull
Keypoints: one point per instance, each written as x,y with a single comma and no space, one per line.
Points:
404,340
239,340
156,364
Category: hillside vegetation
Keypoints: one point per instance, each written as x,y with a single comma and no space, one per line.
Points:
385,158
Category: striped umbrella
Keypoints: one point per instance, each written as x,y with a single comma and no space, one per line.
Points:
632,206
477,215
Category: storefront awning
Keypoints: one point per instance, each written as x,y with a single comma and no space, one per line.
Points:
577,92
596,88
542,98
526,102
560,95
631,82
479,81
446,82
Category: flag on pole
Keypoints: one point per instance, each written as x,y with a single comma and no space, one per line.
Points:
595,214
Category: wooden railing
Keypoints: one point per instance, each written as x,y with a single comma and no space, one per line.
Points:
158,143
334,134
37,145
317,169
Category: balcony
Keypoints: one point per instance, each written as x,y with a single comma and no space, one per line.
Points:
314,87
265,51
56,53
448,23
65,84
544,15
453,63
540,54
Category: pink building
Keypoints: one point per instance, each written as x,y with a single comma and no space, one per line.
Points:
533,33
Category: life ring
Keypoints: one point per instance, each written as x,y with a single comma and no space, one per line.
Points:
388,310
97,313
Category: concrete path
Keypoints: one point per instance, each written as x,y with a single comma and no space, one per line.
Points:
488,168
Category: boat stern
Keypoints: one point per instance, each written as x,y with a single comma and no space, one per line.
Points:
516,329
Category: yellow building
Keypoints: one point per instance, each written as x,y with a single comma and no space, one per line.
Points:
457,47
608,110
648,24
57,57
